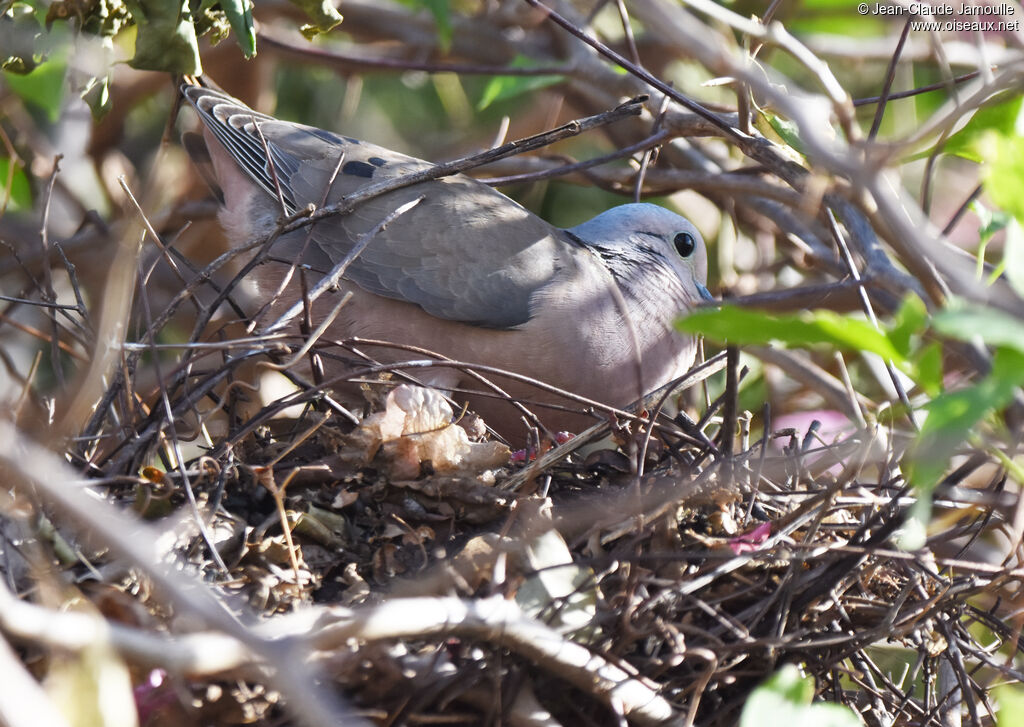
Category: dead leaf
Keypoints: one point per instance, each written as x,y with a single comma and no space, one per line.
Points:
415,428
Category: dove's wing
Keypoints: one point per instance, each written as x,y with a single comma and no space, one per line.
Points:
466,253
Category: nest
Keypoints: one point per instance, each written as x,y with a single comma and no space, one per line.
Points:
423,571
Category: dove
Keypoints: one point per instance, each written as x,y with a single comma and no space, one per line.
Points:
464,271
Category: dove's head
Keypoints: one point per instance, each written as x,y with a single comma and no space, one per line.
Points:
636,240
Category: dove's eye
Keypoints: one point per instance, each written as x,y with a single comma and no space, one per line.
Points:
685,244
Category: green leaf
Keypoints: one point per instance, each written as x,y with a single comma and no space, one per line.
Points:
96,94
321,12
1013,256
999,117
165,38
928,368
967,322
443,20
787,130
15,191
239,15
789,684
502,87
952,416
22,46
1010,699
911,319
741,326
440,10
992,221
1003,172
785,699
43,87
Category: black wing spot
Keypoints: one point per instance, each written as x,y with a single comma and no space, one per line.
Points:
327,136
377,161
359,169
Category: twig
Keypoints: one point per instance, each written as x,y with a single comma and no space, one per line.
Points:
694,376
640,73
49,295
868,100
36,468
208,653
870,311
359,60
23,701
346,204
890,74
493,619
332,279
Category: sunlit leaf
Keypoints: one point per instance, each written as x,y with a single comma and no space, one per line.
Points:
952,416
1010,698
22,46
321,12
1003,171
165,38
785,699
15,192
742,326
502,87
97,95
239,14
43,87
992,221
1000,117
969,322
92,686
911,319
787,131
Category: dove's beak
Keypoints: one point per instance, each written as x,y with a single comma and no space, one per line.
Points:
705,294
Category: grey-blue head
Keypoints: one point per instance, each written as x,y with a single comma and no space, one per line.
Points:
633,239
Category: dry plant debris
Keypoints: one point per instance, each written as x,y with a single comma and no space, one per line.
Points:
408,577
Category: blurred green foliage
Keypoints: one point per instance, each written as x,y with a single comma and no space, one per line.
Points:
500,88
15,193
1000,115
166,31
408,112
1010,712
43,87
786,699
21,24
441,12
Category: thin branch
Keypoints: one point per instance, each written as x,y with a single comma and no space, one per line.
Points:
361,61
890,74
493,619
